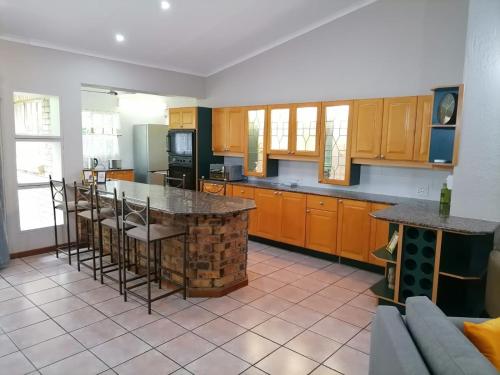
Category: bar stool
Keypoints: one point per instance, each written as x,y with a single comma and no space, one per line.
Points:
148,233
60,202
114,225
220,188
84,196
178,182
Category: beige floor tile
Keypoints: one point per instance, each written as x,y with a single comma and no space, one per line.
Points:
79,318
286,362
292,293
253,371
82,286
14,305
149,363
285,276
365,302
301,269
262,268
95,296
192,317
116,306
186,348
22,319
6,346
25,277
340,269
353,284
69,277
120,349
361,341
36,286
278,262
266,284
277,330
353,315
63,306
15,269
221,305
170,305
97,333
271,304
247,316
301,316
49,295
219,331
310,284
217,362
15,364
136,318
250,347
323,370
348,361
325,276
9,293
252,275
35,333
335,329
338,293
84,363
53,350
367,276
159,332
314,346
246,294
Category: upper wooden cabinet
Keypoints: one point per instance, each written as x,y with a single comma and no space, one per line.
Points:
335,146
398,130
423,128
367,128
353,235
294,130
182,118
228,130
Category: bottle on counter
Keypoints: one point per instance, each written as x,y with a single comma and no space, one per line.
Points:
445,201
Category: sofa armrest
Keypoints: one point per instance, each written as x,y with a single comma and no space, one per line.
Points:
459,321
392,351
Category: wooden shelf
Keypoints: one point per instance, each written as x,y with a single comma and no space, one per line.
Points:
453,126
381,290
401,164
458,272
384,255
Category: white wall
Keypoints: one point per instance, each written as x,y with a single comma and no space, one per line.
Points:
477,178
389,48
44,71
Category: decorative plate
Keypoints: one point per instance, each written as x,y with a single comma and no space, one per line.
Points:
447,110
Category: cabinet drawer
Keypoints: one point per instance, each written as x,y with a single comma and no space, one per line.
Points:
243,191
321,203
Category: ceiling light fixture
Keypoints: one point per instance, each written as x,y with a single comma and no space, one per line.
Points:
119,38
165,5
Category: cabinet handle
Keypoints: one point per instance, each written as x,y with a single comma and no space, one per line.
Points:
321,203
382,156
308,211
242,191
275,193
341,201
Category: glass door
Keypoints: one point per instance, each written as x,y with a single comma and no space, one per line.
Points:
255,128
306,129
280,130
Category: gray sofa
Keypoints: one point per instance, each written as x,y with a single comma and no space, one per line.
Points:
425,341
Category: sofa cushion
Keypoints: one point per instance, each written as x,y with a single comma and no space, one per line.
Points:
445,349
486,337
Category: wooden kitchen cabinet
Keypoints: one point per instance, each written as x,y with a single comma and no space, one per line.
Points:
379,233
293,221
398,130
124,175
228,131
182,118
247,192
367,128
321,224
353,235
268,213
423,128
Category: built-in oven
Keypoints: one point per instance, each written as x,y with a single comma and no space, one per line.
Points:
181,142
181,148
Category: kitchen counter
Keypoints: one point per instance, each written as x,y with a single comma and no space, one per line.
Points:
410,211
108,169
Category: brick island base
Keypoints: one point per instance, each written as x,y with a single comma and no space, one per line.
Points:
217,252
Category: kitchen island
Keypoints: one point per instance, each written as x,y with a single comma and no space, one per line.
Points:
217,234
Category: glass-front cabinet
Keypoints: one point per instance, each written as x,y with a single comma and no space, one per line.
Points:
335,161
255,153
294,129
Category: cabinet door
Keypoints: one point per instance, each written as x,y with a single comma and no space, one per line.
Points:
174,118
423,128
268,214
398,132
367,128
379,233
293,220
255,140
305,129
188,119
248,193
335,148
235,122
353,238
321,230
219,130
280,119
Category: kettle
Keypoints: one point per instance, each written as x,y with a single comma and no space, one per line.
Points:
92,163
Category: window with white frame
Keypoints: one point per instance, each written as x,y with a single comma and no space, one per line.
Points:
100,131
38,155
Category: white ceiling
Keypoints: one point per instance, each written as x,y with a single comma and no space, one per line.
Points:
200,37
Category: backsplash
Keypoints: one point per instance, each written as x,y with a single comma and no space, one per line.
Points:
403,182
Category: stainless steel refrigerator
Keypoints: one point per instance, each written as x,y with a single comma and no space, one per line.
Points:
150,151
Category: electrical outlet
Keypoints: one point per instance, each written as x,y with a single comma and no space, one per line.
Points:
423,191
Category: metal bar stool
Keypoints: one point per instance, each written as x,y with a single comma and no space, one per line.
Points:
113,224
84,196
214,188
148,233
178,182
60,202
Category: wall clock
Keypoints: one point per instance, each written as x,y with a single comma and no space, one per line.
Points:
447,109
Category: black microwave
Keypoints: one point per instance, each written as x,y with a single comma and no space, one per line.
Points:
181,142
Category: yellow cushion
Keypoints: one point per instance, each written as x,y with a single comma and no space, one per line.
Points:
486,338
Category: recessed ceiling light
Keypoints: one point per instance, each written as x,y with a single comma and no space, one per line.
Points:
165,5
119,38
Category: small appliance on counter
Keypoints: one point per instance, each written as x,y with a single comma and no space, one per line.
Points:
226,171
114,164
91,163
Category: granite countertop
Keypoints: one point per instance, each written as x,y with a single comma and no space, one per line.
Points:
179,201
108,169
410,211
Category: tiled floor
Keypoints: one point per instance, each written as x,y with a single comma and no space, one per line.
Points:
299,315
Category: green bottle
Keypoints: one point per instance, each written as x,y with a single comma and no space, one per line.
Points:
445,201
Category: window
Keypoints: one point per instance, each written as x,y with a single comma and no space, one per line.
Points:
100,135
38,155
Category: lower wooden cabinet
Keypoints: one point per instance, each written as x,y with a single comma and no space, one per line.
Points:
293,220
321,230
248,193
268,213
124,175
353,235
379,233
